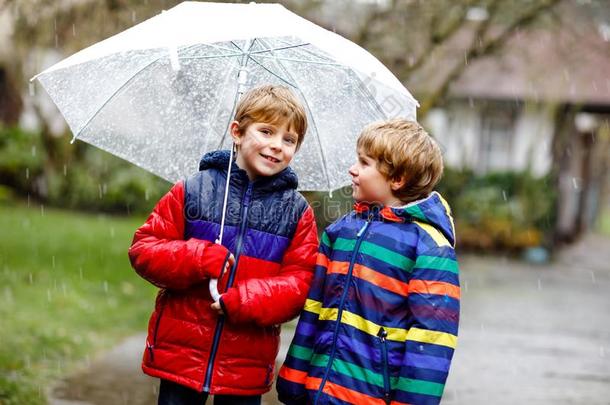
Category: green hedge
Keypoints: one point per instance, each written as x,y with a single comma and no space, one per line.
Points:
76,176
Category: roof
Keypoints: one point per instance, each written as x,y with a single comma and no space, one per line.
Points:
566,63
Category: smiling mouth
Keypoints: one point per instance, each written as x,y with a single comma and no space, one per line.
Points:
270,158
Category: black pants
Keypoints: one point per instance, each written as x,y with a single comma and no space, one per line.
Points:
171,393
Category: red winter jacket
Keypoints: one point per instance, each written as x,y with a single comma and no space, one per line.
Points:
270,229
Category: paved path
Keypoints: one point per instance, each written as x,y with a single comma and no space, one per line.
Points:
528,334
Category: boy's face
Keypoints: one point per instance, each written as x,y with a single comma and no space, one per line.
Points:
369,184
264,149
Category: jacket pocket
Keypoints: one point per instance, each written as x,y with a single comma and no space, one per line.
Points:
382,335
151,346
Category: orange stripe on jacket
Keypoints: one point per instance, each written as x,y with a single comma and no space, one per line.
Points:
322,260
372,276
434,287
345,394
295,376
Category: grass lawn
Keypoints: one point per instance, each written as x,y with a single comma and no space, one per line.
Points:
66,290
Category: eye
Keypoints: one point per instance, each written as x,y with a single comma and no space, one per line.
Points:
290,140
266,131
363,162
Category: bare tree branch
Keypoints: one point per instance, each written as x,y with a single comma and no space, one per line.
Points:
480,47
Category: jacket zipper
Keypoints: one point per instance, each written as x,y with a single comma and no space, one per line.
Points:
157,322
359,237
221,319
382,335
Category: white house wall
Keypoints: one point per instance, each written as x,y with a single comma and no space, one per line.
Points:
458,129
533,139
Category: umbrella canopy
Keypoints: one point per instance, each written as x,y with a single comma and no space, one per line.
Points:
163,92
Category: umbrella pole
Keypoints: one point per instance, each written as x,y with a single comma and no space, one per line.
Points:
226,196
213,285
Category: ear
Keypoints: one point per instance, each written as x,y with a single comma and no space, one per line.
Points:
235,134
397,183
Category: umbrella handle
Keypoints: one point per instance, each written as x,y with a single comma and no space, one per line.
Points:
214,289
213,286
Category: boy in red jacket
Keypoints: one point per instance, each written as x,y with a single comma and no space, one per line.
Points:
227,348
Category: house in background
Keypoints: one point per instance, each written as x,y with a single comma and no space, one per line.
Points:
541,103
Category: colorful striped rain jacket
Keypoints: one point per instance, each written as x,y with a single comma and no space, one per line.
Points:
381,319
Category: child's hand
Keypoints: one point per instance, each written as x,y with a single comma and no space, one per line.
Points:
229,263
216,307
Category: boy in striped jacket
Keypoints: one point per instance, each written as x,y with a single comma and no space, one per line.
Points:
381,319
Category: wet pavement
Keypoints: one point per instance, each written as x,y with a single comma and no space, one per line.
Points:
528,334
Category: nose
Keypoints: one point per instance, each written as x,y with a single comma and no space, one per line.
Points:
353,171
275,143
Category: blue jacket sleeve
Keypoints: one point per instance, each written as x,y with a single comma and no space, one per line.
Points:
433,301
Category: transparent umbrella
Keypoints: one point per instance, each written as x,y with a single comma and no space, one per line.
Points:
163,92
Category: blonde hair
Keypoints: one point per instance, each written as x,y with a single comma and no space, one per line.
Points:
274,105
403,149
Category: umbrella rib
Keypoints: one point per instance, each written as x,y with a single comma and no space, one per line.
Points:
115,93
112,97
215,113
350,71
309,51
313,121
243,63
271,72
303,61
281,48
210,56
371,99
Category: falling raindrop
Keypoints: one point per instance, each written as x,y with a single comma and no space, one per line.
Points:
48,295
32,88
112,231
27,176
574,183
56,36
504,195
106,287
31,278
592,276
73,30
539,284
42,210
146,194
99,188
65,170
133,16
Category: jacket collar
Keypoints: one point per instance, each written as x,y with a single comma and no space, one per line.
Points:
219,160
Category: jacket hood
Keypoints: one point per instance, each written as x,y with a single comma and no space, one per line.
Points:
219,160
432,210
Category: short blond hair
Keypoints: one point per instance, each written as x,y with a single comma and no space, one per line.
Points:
403,149
274,105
